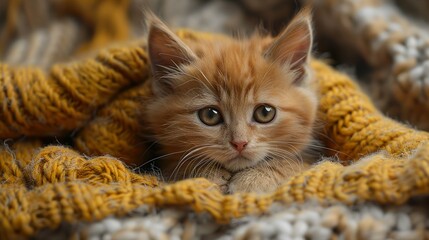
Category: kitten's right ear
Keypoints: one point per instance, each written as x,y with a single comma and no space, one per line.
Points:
167,54
292,47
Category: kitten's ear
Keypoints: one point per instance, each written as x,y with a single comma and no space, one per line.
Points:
293,46
167,53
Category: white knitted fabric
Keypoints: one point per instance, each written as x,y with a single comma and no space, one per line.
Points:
300,221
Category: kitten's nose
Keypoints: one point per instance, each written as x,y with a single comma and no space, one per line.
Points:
239,146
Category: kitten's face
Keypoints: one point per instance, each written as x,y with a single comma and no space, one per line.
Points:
232,103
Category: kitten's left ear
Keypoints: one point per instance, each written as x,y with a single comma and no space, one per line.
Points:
293,46
167,54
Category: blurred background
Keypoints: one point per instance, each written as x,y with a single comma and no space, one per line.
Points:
384,44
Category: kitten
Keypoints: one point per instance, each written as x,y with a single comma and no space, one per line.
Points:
238,112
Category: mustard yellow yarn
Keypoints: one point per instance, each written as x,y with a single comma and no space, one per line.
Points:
107,19
43,186
118,128
353,126
35,103
67,187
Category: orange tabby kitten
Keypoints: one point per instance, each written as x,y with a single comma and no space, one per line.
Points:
238,112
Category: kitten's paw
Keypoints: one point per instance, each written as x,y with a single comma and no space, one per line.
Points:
251,181
221,177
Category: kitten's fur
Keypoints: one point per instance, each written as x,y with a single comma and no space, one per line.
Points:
235,76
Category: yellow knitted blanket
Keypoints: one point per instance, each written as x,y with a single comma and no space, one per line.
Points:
99,98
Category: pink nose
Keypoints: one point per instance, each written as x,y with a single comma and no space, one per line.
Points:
239,146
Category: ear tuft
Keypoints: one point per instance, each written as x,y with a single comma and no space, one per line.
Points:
292,47
167,53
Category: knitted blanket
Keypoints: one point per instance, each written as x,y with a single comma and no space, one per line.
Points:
376,182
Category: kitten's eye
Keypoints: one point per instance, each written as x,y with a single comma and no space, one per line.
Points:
264,113
210,116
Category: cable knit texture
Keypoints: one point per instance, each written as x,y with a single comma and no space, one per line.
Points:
98,100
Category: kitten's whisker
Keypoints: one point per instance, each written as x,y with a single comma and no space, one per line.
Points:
198,158
287,159
195,150
292,164
297,152
215,168
197,169
183,159
327,137
185,163
150,146
159,157
269,167
282,143
292,150
286,154
192,163
201,162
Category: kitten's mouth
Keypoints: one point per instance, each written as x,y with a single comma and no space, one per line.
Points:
244,158
240,158
239,163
